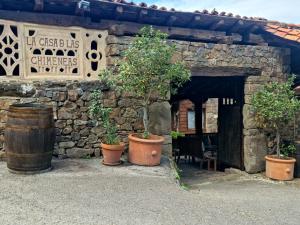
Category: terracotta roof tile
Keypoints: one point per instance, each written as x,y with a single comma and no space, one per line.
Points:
294,32
280,33
292,37
271,30
287,31
273,26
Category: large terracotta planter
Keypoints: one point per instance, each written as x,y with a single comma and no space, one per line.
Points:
279,169
112,154
145,152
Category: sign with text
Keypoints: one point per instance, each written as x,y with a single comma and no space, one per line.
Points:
33,51
52,52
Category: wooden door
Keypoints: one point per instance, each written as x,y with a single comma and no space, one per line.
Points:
230,152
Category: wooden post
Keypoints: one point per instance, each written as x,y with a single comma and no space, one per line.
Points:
198,116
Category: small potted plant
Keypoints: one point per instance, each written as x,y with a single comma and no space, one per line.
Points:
275,107
148,69
111,146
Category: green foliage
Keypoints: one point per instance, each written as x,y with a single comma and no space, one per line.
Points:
275,106
177,174
102,115
148,69
176,134
148,66
287,149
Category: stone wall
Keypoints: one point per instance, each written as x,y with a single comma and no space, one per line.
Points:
76,133
271,62
211,116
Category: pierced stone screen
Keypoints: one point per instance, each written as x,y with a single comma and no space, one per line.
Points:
50,52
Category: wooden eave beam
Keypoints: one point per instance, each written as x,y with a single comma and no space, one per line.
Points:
217,25
119,12
142,14
254,28
236,27
38,5
171,20
195,22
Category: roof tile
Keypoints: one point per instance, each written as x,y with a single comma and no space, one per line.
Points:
273,26
280,34
292,37
287,31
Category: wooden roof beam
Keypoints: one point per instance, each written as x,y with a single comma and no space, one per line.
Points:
170,21
195,22
119,12
38,5
254,29
236,27
217,25
143,13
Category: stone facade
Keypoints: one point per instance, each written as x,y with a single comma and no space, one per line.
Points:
76,132
273,64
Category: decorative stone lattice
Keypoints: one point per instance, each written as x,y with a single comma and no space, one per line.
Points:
9,49
50,52
94,50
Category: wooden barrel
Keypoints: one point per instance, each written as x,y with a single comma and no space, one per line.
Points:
29,138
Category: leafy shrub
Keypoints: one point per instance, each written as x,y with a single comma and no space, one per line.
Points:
275,106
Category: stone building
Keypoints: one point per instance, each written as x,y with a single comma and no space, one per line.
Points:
51,52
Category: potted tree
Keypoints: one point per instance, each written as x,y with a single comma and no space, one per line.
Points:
275,107
111,146
148,69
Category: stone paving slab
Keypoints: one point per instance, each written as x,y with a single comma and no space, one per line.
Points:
86,192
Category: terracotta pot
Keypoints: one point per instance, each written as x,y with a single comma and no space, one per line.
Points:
145,152
279,169
112,154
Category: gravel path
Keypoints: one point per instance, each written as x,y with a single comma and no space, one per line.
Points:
85,192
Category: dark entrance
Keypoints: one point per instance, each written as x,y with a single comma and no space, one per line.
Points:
230,94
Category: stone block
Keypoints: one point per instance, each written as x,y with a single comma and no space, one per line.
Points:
255,149
80,122
79,152
249,117
63,114
73,95
67,130
59,96
67,144
160,118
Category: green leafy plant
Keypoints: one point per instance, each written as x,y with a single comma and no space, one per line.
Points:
148,69
287,149
275,106
102,115
176,134
177,175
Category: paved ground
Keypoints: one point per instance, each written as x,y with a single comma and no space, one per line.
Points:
85,192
